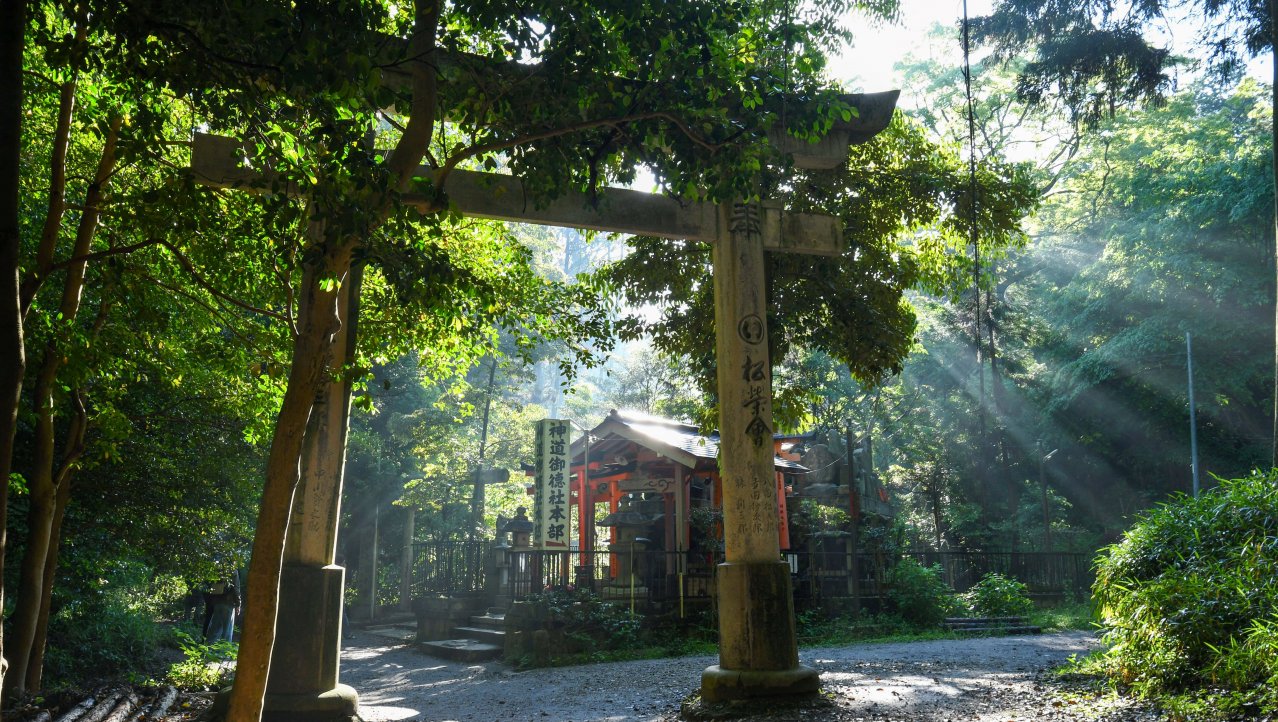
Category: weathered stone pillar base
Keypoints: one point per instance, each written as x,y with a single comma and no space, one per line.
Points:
758,655
302,686
339,704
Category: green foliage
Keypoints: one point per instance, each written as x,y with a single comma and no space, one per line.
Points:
1089,327
919,594
998,596
1188,594
108,634
585,625
707,528
1072,615
1094,57
902,201
816,628
825,517
202,665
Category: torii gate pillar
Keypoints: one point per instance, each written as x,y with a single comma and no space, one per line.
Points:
758,652
303,684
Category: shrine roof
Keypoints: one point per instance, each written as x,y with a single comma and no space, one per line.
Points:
678,440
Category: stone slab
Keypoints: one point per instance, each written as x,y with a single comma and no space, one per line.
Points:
489,621
483,634
461,650
400,632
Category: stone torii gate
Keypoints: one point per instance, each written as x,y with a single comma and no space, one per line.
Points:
758,653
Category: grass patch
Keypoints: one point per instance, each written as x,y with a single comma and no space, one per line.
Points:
1077,615
817,630
1089,682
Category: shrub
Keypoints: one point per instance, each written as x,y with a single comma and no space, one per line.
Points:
1189,597
202,666
919,594
576,622
997,596
90,639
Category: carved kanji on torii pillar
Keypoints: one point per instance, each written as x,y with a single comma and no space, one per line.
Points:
758,653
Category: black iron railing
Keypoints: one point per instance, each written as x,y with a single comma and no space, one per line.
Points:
642,574
1044,573
660,576
450,568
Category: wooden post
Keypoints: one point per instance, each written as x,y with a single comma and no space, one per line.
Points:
406,561
758,652
854,497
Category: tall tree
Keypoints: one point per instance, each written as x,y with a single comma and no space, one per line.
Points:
1096,57
12,353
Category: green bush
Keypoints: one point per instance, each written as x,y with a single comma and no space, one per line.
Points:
580,622
1189,598
919,594
997,596
112,630
203,665
108,637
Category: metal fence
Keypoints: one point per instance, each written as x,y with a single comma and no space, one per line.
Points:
1044,573
660,577
450,568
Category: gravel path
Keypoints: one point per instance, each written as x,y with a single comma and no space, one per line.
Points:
985,679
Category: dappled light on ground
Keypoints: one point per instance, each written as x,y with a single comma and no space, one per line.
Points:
968,679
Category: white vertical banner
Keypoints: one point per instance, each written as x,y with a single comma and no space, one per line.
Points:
551,525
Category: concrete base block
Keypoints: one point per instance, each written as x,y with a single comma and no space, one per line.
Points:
758,654
340,704
720,685
308,631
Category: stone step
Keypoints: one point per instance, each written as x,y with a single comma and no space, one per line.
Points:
1000,629
388,619
482,634
461,650
401,632
489,621
955,621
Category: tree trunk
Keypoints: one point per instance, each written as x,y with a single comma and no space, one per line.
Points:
12,354
999,394
43,483
57,203
935,493
318,320
74,449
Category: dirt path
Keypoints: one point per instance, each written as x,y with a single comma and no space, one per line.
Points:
988,679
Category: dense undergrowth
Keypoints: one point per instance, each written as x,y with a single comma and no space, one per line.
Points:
585,629
1191,605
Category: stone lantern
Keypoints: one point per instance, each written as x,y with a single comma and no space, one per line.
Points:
629,522
520,529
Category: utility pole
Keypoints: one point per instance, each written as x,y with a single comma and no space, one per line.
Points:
1042,485
1193,420
477,495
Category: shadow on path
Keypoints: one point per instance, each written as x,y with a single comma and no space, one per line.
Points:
971,679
